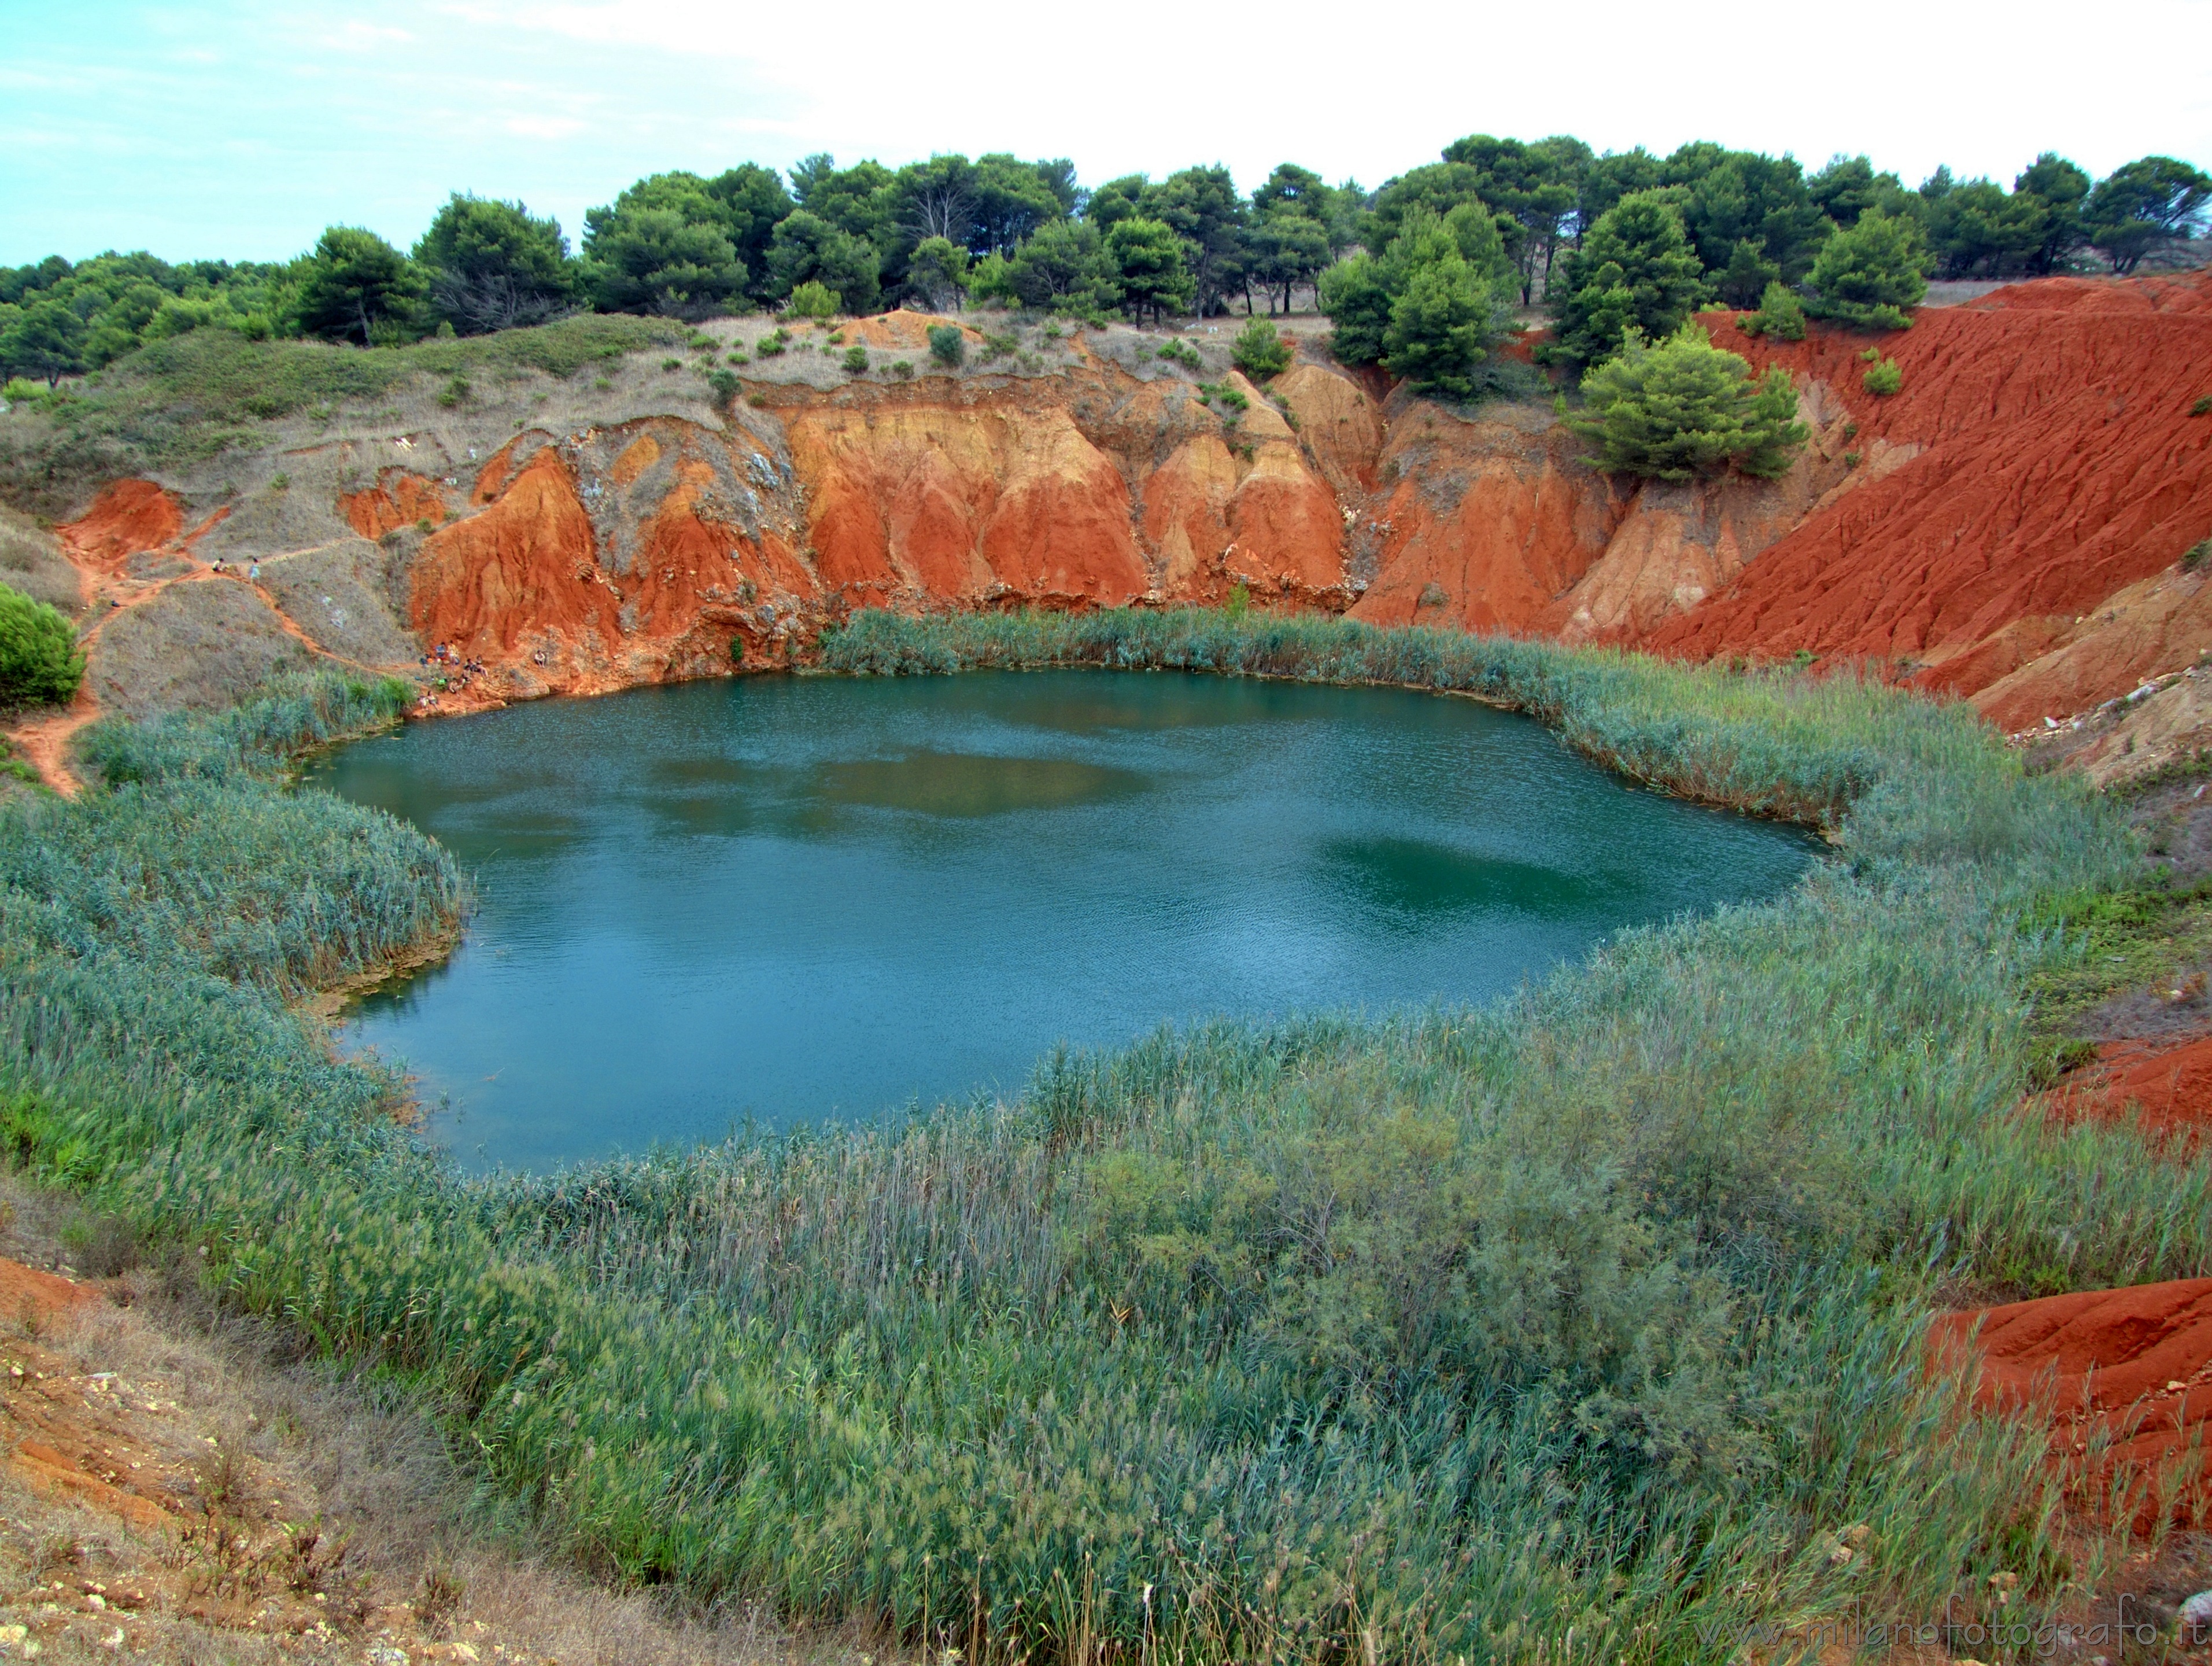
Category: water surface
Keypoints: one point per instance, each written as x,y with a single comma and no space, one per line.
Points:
778,899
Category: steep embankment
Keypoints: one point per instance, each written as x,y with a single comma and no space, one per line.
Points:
2025,554
2009,527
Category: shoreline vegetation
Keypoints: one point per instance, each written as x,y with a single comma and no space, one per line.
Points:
1591,1321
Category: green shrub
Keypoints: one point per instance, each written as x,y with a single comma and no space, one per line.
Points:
1238,603
856,360
1181,352
1260,350
772,344
2197,555
1883,379
1683,407
948,345
814,299
455,391
1870,274
2202,408
904,369
723,385
39,664
671,364
1780,314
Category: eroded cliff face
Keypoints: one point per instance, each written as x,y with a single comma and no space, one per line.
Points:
2009,527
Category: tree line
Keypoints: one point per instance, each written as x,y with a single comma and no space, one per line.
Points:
1417,275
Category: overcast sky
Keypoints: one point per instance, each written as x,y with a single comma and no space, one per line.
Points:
240,129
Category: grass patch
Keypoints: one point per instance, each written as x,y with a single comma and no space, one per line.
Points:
1598,1310
195,395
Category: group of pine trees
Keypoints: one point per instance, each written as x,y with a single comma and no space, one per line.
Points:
1416,276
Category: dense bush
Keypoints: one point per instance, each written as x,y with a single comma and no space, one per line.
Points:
1780,314
813,299
1871,276
948,345
1883,377
1260,350
1683,407
39,664
1636,270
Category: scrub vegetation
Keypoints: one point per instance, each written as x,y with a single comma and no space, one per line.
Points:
1588,1324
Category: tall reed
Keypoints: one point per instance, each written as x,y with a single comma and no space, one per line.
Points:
1588,1323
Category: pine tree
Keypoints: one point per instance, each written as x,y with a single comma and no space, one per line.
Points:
1868,274
1682,407
1636,267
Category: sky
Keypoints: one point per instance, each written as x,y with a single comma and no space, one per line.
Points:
240,130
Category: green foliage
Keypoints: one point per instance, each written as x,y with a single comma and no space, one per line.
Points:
1870,276
1177,351
188,397
1356,295
658,260
2196,555
1780,314
39,664
937,273
1238,603
1636,270
813,300
454,393
2152,200
44,340
1260,350
1751,218
1683,407
1848,187
1418,1336
809,249
1066,266
1428,307
723,385
856,360
1440,324
1883,379
492,266
948,345
358,287
1148,257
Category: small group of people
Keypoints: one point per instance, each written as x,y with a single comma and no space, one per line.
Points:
459,673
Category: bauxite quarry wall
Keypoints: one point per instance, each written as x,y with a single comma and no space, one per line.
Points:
2010,527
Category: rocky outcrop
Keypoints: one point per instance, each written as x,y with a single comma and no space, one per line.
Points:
2009,527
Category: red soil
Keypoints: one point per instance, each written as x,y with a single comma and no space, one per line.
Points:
2128,1370
127,518
2059,464
2168,1088
400,498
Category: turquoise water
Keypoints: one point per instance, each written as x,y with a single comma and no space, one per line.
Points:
779,899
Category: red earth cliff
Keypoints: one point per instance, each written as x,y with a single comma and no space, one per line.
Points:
2059,464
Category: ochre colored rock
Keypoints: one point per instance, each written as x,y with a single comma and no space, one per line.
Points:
1486,523
400,498
1337,422
2058,464
2128,1371
2158,625
129,518
922,503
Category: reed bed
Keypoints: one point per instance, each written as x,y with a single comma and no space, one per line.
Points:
1588,1325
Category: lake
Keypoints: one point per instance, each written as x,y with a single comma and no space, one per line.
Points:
782,899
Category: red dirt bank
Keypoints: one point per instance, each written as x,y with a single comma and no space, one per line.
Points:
2008,526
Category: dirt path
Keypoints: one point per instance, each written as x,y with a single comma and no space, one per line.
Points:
44,741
